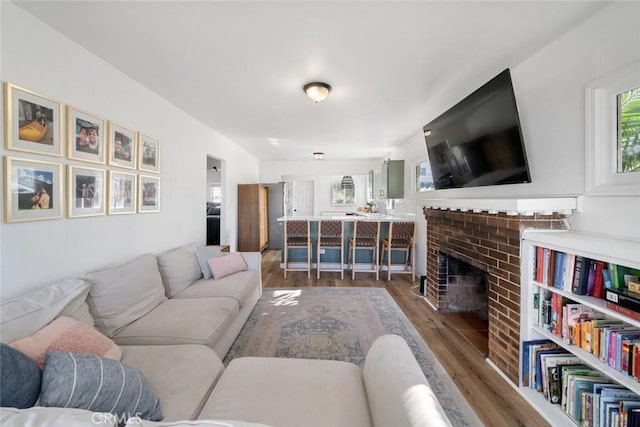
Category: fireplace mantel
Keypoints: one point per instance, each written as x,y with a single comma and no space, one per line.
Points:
510,206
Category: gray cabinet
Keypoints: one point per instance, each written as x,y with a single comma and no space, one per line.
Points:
392,182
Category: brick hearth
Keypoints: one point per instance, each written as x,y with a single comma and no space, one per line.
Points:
490,242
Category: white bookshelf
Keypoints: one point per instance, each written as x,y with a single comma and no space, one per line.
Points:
598,247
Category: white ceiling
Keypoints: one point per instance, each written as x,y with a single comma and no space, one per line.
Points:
239,67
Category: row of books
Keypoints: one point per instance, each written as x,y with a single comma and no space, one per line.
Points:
579,275
612,341
584,394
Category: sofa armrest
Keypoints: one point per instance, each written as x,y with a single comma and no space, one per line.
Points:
399,394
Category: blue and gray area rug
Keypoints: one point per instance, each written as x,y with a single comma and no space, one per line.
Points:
340,324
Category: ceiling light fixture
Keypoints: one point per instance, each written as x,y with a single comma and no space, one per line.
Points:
317,91
318,155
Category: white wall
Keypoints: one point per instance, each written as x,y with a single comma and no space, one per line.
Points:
550,92
322,173
38,253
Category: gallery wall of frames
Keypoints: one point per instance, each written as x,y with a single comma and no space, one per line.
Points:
111,168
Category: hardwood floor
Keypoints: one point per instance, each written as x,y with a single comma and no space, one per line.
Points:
494,400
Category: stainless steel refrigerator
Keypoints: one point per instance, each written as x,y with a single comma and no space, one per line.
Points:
277,206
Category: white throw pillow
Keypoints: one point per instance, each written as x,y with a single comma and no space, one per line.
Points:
122,294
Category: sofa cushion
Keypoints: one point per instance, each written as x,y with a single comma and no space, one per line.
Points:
204,253
224,266
122,294
55,417
179,268
67,334
182,376
239,286
290,393
398,391
98,384
22,316
19,378
181,321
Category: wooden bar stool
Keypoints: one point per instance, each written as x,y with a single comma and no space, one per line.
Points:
366,236
330,234
401,238
297,235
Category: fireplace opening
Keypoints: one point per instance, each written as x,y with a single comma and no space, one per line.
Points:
464,291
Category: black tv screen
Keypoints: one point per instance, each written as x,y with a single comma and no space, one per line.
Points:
478,141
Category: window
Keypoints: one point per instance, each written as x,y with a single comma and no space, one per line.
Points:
341,194
628,124
424,177
613,133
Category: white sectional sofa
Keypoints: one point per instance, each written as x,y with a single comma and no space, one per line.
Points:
174,326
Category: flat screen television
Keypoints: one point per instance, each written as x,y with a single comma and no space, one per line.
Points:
478,141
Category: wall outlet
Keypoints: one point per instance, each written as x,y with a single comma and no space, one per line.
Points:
321,251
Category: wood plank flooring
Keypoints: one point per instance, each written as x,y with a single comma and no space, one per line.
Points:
494,400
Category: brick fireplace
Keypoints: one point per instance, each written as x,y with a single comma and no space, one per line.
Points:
491,243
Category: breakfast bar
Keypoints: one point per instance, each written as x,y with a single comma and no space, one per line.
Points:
298,256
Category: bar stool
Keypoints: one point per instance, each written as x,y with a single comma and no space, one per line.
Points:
366,236
401,238
330,234
297,235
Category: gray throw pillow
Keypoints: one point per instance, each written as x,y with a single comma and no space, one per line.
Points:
74,380
19,379
204,253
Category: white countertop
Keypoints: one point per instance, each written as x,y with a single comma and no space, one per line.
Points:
356,216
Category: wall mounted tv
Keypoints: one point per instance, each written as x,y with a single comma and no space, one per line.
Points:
478,141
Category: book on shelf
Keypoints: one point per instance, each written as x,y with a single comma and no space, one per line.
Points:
607,388
551,382
539,381
526,360
568,270
623,310
577,383
558,268
580,276
623,298
575,313
618,273
625,407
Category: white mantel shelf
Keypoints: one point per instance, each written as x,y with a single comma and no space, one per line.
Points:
530,206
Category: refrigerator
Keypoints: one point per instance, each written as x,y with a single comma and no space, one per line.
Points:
277,206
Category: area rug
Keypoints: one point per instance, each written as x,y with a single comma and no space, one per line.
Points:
340,324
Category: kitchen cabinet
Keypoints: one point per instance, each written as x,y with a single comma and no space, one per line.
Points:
392,180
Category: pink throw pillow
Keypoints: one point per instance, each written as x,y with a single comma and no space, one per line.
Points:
67,334
223,266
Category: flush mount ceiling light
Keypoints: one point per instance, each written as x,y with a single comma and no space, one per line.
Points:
318,155
317,91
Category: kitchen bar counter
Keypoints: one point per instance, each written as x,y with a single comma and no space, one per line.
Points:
352,217
299,255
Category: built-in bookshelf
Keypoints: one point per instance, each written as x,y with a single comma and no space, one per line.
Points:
550,313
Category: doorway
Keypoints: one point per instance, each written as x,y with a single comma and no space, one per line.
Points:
214,201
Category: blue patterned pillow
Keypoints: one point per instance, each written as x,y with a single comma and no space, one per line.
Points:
74,380
19,379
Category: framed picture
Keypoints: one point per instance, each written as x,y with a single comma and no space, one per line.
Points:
423,177
33,190
33,122
148,153
122,193
85,136
122,146
86,192
148,194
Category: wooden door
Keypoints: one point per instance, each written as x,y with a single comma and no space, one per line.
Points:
263,217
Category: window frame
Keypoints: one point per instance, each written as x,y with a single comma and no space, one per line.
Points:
601,134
